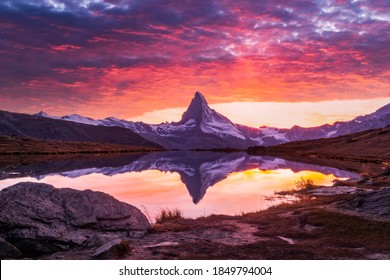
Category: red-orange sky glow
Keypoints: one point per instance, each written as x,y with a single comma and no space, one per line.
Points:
127,58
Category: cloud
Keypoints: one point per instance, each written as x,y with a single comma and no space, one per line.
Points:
139,51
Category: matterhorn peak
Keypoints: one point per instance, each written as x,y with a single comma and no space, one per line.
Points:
199,101
200,96
197,108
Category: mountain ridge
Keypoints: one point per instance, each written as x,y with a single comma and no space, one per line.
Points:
45,128
201,127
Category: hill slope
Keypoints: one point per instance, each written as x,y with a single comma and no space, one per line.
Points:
37,127
370,145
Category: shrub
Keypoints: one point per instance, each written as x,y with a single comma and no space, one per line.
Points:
304,184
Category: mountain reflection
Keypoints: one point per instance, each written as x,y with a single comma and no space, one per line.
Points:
198,170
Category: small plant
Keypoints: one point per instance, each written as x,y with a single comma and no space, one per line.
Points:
304,184
167,215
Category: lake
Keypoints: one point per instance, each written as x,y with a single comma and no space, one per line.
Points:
197,183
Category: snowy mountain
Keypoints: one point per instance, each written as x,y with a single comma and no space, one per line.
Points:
203,128
199,128
378,119
72,118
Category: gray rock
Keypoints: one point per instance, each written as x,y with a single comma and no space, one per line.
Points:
369,182
374,202
38,218
329,191
8,251
114,249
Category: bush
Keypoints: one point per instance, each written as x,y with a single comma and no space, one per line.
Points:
304,184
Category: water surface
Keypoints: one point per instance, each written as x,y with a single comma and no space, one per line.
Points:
197,183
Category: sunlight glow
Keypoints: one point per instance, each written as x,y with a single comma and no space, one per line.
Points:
278,114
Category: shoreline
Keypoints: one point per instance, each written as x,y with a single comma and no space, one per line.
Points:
15,146
320,225
346,224
325,223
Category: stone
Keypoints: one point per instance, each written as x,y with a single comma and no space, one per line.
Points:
41,219
288,240
374,202
329,191
115,249
162,244
8,251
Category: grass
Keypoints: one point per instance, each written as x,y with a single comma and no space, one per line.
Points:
24,146
334,235
167,215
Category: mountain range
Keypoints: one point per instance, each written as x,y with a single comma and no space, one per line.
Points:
203,128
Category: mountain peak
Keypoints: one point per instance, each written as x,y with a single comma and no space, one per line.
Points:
196,109
199,101
199,96
41,114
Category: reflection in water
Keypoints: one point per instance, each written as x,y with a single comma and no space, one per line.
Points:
156,180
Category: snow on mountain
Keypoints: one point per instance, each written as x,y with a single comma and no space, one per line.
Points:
210,121
72,118
202,127
45,115
81,119
199,127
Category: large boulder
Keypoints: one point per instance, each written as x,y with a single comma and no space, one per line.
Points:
39,218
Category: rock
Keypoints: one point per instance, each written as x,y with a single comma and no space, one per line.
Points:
288,240
386,173
40,219
99,239
328,191
369,182
349,182
374,202
8,251
162,244
378,256
115,249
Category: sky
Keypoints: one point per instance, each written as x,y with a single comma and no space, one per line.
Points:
313,61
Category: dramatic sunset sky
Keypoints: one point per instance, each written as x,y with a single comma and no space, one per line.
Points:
312,62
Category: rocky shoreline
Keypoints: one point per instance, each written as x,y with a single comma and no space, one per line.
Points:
38,219
349,220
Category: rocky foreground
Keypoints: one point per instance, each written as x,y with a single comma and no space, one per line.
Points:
37,219
350,220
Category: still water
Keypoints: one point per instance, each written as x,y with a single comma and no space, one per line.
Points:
197,183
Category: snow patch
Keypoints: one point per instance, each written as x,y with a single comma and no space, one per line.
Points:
274,132
331,133
80,119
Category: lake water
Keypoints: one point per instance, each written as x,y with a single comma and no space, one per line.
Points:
197,183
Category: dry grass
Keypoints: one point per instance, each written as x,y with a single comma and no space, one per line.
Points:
334,235
27,146
168,215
